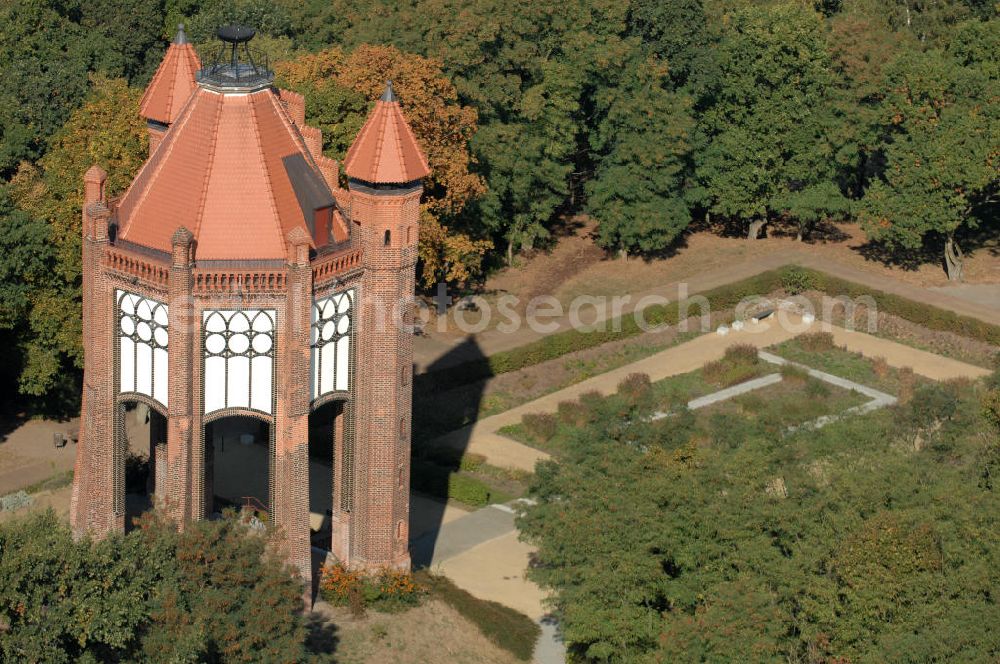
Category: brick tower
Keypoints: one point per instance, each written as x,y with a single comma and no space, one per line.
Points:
236,291
385,168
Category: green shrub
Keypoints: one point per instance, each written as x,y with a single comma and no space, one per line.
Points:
751,402
728,430
816,342
795,279
725,374
991,409
541,427
573,413
509,629
469,490
635,387
155,594
592,400
444,483
471,461
741,354
387,590
817,389
794,374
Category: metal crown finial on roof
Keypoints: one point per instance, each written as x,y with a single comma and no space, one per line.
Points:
236,66
388,95
181,38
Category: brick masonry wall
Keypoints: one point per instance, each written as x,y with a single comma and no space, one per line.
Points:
92,499
371,431
382,386
291,464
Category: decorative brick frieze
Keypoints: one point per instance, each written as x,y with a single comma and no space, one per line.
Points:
335,266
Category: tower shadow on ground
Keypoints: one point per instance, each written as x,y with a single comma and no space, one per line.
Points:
443,403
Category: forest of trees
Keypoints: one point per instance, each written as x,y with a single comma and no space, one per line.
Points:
644,114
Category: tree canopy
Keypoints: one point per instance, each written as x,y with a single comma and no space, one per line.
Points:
664,542
106,130
212,594
942,121
339,88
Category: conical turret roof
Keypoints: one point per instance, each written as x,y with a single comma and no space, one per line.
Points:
233,169
386,151
172,83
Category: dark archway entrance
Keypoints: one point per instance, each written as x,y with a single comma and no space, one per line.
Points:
238,452
326,424
144,443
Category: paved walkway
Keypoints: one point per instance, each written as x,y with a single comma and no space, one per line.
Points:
441,353
480,552
987,295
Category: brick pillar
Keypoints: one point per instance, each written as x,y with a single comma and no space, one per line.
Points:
291,418
340,507
92,503
184,415
387,224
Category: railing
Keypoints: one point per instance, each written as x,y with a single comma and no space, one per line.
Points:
225,281
250,502
132,265
334,265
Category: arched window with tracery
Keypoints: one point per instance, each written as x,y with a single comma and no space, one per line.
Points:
331,343
143,338
239,359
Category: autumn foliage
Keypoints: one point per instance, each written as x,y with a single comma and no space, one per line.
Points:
340,88
387,589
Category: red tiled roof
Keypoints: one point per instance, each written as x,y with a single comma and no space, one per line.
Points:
172,83
385,151
225,171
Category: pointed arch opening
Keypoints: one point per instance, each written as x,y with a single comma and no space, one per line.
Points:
326,468
238,463
139,456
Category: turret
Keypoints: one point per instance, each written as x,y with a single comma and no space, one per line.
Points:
385,167
171,87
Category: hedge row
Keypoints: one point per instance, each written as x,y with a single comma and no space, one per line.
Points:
444,483
926,315
791,278
511,630
561,343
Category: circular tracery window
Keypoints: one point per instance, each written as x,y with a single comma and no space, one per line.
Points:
242,334
142,320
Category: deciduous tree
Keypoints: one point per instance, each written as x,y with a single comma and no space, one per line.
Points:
772,121
108,131
642,149
339,88
942,170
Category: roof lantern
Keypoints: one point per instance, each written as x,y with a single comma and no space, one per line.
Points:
236,67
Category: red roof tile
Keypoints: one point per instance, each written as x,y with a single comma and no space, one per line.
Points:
172,83
235,171
385,151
